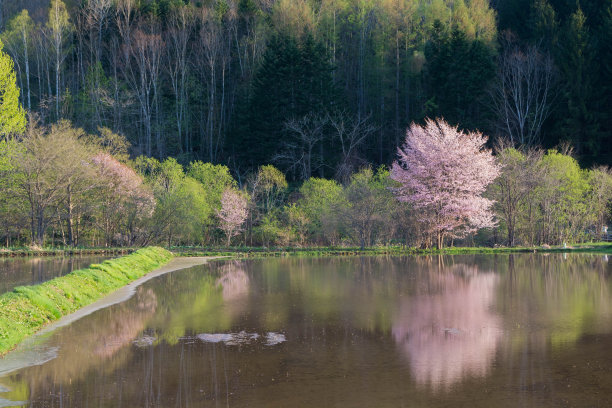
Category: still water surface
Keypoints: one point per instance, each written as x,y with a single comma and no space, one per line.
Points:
32,270
480,331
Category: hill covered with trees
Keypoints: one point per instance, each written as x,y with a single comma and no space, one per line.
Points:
315,87
298,122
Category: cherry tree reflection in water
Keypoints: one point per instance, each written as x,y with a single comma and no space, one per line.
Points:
449,331
234,280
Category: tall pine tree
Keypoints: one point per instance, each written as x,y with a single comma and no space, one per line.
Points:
456,73
575,62
294,80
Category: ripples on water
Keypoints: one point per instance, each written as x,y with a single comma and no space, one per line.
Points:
504,331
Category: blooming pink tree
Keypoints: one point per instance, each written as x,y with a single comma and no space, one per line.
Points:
124,198
443,173
233,213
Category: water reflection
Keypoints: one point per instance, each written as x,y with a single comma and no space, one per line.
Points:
450,332
233,280
95,344
31,270
343,332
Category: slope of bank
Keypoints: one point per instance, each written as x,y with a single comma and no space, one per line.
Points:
27,309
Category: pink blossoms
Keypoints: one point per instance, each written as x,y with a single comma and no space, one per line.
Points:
233,213
443,173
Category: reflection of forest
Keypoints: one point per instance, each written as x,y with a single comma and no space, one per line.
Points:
450,332
562,296
346,320
96,343
551,304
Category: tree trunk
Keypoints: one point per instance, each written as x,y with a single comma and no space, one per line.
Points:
69,220
27,68
40,228
440,240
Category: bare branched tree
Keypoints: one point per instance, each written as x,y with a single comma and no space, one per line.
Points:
58,31
298,154
523,93
182,24
92,19
351,133
516,183
142,69
213,56
96,13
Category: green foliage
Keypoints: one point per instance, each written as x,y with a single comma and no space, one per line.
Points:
549,199
321,203
579,125
267,187
456,69
544,23
270,230
114,144
562,196
600,196
11,207
182,212
215,178
371,206
27,309
12,115
90,100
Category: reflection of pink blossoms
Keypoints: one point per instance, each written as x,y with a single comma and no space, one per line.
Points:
452,333
233,213
235,281
443,173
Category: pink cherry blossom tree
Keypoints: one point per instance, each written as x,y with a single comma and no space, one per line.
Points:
233,213
124,199
442,173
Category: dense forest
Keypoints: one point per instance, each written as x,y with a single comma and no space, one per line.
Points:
315,87
301,123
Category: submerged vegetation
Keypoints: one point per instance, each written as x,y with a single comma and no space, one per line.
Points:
27,309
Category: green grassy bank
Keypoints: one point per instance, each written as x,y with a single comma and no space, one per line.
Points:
258,252
27,309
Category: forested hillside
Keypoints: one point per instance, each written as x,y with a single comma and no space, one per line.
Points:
316,87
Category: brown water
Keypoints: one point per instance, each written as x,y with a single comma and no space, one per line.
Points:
31,270
479,331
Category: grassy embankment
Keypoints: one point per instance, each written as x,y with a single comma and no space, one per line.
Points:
258,252
27,309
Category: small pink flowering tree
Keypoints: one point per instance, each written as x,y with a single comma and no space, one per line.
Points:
443,173
233,213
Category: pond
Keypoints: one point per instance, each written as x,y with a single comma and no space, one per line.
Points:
32,270
481,331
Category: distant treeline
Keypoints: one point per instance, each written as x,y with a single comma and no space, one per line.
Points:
63,187
314,87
